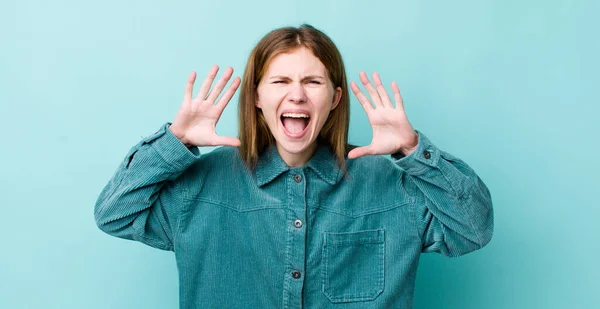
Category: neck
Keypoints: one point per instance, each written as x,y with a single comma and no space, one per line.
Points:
297,159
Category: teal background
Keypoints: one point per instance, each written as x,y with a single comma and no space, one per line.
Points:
511,87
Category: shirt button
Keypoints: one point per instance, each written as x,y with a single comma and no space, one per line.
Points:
296,274
298,223
298,178
426,154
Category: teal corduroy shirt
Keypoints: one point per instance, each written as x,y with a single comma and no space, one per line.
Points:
303,237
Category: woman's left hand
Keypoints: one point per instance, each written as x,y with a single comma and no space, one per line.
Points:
392,132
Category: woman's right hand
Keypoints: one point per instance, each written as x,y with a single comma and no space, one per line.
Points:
196,120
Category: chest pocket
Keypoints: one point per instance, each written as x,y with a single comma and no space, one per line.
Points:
353,265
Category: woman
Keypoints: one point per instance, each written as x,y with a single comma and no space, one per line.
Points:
289,215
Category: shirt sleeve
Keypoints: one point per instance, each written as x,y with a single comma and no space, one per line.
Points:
453,206
141,201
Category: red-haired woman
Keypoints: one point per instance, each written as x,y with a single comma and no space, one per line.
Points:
290,215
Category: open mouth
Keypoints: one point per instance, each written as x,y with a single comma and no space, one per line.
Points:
295,124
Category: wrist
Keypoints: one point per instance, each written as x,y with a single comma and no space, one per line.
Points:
179,136
411,147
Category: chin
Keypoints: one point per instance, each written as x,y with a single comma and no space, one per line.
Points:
294,147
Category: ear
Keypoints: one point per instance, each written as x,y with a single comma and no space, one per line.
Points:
337,96
257,101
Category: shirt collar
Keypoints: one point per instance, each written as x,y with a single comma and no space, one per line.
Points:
323,163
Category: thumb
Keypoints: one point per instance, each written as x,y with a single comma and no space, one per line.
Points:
227,141
359,152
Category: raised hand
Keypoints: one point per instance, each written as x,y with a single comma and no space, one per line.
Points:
196,120
392,132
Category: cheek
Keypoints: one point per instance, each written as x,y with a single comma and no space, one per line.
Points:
322,99
271,99
268,107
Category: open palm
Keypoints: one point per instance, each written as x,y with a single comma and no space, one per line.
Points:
392,132
196,121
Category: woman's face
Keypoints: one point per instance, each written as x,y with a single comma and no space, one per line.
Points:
295,97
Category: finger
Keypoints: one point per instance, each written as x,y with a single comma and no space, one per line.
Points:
187,95
359,152
397,96
385,98
230,92
370,89
366,104
207,82
216,91
227,141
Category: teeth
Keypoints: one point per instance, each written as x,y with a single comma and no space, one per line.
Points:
295,115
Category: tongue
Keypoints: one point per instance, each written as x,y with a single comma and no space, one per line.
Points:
294,125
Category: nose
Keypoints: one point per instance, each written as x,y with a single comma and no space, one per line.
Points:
297,94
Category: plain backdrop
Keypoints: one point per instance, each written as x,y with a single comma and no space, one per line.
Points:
509,86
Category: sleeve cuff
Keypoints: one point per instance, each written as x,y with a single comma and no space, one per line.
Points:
426,156
171,149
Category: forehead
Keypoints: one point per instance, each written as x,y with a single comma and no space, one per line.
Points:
300,61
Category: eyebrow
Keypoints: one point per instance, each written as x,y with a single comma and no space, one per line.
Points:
304,78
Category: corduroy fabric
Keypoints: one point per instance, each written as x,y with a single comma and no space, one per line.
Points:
304,237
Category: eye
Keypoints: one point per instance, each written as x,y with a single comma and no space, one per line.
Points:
278,82
316,82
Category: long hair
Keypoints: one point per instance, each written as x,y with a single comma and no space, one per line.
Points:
254,133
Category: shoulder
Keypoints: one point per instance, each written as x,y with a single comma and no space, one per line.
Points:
223,160
214,171
374,171
220,159
224,154
370,164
